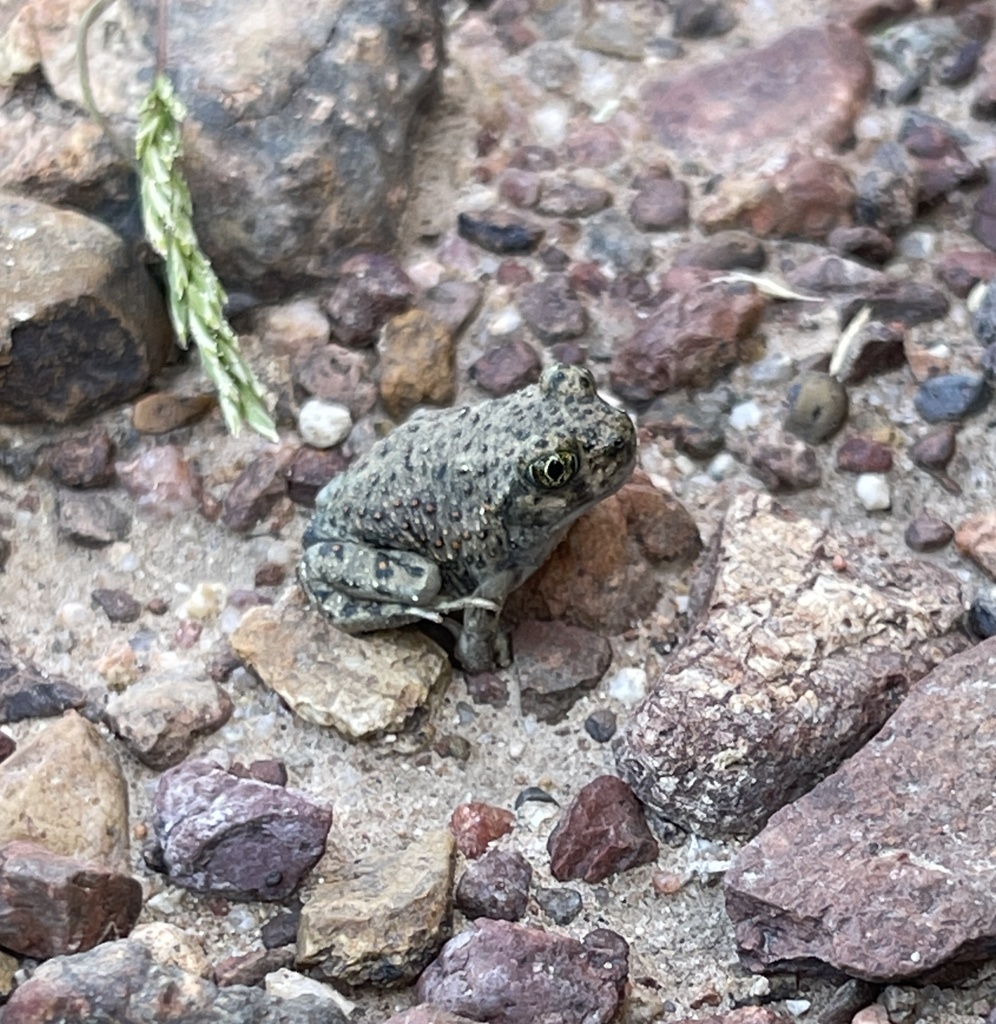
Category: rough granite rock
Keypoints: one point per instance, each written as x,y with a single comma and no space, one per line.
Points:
806,87
358,685
602,832
45,782
884,871
25,692
384,920
275,105
219,833
51,905
496,886
804,643
475,825
120,982
76,340
505,973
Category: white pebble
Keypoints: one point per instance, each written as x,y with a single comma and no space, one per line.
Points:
323,424
287,984
279,553
873,492
797,1007
628,685
507,321
72,614
684,465
550,124
206,601
229,620
745,416
724,465
918,245
425,273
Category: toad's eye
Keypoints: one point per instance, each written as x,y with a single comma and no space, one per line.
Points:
553,470
587,381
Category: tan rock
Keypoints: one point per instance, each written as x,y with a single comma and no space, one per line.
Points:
384,922
163,411
171,946
64,790
976,537
358,685
416,363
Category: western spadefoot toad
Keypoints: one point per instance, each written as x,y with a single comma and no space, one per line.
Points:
453,510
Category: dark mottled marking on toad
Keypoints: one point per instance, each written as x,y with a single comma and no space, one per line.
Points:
452,511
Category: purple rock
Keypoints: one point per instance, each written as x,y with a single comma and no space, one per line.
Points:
496,885
235,837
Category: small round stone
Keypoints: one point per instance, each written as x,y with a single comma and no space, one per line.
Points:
560,905
323,424
600,725
745,416
951,397
873,492
982,615
928,533
933,451
817,407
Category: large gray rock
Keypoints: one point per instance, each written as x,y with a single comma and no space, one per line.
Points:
806,643
82,324
885,870
298,140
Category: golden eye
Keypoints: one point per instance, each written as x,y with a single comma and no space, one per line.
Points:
553,470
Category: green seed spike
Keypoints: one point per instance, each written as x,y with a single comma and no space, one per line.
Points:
196,297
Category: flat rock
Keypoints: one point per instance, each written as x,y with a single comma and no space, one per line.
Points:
884,871
51,904
602,832
976,538
26,692
509,974
122,982
91,519
45,782
371,288
160,717
290,146
86,460
79,340
557,664
416,363
163,411
256,490
360,686
804,643
220,833
693,338
604,575
162,481
384,920
806,87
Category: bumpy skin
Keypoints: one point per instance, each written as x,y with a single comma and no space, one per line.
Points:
452,511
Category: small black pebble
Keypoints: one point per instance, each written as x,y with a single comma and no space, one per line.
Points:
601,725
982,615
535,794
560,905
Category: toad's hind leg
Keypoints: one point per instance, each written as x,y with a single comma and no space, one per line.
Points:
367,573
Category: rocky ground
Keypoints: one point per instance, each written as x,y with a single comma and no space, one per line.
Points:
767,227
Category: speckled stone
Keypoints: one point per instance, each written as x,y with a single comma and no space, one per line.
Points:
976,538
162,481
725,250
561,905
660,206
86,460
531,974
927,532
256,490
371,288
476,825
863,455
496,885
784,463
416,363
239,838
507,366
552,309
570,199
952,397
26,692
882,893
92,520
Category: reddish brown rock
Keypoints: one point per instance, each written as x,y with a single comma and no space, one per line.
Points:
976,538
251,968
862,874
962,269
552,309
557,664
117,605
500,971
826,274
310,470
162,481
453,303
863,455
593,145
476,825
507,366
495,886
803,644
784,463
84,461
806,87
928,533
256,490
725,250
570,199
605,574
372,287
602,833
660,205
163,411
520,188
339,374
51,905
694,337
934,451
866,243
808,198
